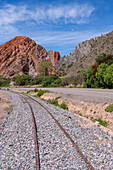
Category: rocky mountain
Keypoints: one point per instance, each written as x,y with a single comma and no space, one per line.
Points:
85,53
22,54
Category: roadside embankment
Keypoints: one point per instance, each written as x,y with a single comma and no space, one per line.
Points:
92,110
5,106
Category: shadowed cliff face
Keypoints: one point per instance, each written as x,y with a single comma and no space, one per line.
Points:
22,54
85,53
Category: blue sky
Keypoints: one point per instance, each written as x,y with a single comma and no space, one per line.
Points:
58,25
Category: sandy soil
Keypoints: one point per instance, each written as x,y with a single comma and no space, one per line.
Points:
5,106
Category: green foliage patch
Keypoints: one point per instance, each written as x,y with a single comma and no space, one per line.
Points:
53,101
51,81
4,82
63,106
41,92
22,80
46,81
103,123
45,68
100,75
109,108
35,90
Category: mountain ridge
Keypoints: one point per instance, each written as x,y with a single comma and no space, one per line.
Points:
21,54
85,53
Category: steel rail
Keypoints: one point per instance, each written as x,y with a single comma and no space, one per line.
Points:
35,135
59,125
66,134
37,162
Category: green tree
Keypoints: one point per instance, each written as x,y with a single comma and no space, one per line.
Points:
105,58
108,77
45,68
88,77
100,74
5,82
22,80
50,80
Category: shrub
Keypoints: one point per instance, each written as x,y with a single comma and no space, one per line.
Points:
35,90
54,101
68,80
38,79
103,123
108,59
70,65
63,106
101,76
52,80
109,108
29,91
40,93
56,83
5,82
22,80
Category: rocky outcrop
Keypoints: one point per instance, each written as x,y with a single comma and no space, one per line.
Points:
54,56
21,55
85,53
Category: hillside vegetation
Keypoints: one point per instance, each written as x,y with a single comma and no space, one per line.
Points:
89,65
85,54
101,74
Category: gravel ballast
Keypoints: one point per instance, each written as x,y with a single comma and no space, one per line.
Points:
96,144
17,142
55,149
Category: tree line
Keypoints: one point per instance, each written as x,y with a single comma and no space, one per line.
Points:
99,75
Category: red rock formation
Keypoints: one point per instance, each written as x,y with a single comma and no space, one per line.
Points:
54,56
22,54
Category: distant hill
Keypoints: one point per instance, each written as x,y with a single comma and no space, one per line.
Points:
85,53
22,55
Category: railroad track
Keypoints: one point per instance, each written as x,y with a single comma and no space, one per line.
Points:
26,98
35,135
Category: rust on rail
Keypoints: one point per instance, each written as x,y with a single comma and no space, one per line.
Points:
67,135
35,136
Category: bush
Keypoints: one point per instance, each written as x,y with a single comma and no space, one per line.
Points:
5,82
54,101
52,80
38,79
35,90
103,123
63,106
29,91
56,83
105,58
68,80
102,78
22,80
109,108
40,93
100,74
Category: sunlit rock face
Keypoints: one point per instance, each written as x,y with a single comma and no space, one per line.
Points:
22,55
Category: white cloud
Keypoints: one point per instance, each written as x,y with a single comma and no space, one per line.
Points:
71,13
64,41
11,14
64,37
